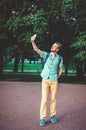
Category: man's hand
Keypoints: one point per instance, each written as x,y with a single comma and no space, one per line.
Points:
60,72
36,49
33,38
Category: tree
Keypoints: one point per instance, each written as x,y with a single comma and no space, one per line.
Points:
52,21
22,27
3,44
79,43
80,52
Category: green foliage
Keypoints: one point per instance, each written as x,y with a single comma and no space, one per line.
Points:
80,46
51,20
67,6
81,55
24,26
39,22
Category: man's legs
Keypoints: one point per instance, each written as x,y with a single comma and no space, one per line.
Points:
46,87
45,90
53,91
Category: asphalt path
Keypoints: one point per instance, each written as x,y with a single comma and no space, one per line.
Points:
20,104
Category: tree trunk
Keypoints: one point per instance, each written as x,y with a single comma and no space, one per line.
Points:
16,61
1,67
66,69
22,68
79,71
84,68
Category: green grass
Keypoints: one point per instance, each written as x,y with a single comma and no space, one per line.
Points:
27,67
37,67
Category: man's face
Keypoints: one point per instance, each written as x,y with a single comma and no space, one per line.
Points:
54,48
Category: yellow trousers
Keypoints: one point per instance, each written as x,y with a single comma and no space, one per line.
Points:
48,86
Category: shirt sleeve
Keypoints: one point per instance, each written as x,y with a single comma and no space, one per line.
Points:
43,55
61,62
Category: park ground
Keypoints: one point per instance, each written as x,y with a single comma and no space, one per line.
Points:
20,104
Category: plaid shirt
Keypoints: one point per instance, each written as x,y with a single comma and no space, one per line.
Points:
51,67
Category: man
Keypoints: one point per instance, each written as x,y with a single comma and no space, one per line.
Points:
51,72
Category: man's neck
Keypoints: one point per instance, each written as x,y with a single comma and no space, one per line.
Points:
53,54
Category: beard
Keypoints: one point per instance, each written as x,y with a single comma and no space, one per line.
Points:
53,50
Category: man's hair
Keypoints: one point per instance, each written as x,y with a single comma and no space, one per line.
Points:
59,44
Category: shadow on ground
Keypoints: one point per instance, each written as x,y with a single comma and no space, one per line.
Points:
35,77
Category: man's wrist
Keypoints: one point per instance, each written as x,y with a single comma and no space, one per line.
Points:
59,75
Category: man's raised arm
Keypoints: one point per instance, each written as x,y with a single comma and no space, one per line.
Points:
36,49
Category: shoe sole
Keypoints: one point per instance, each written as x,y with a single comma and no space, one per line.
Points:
42,125
53,122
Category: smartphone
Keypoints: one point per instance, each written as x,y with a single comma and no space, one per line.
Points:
35,35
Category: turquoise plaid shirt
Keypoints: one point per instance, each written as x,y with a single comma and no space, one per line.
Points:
51,67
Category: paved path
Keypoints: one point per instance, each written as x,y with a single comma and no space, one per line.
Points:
20,103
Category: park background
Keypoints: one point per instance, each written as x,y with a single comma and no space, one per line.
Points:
20,82
52,20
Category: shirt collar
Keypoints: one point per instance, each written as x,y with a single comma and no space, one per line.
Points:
51,54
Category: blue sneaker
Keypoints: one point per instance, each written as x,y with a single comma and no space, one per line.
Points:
42,122
53,119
